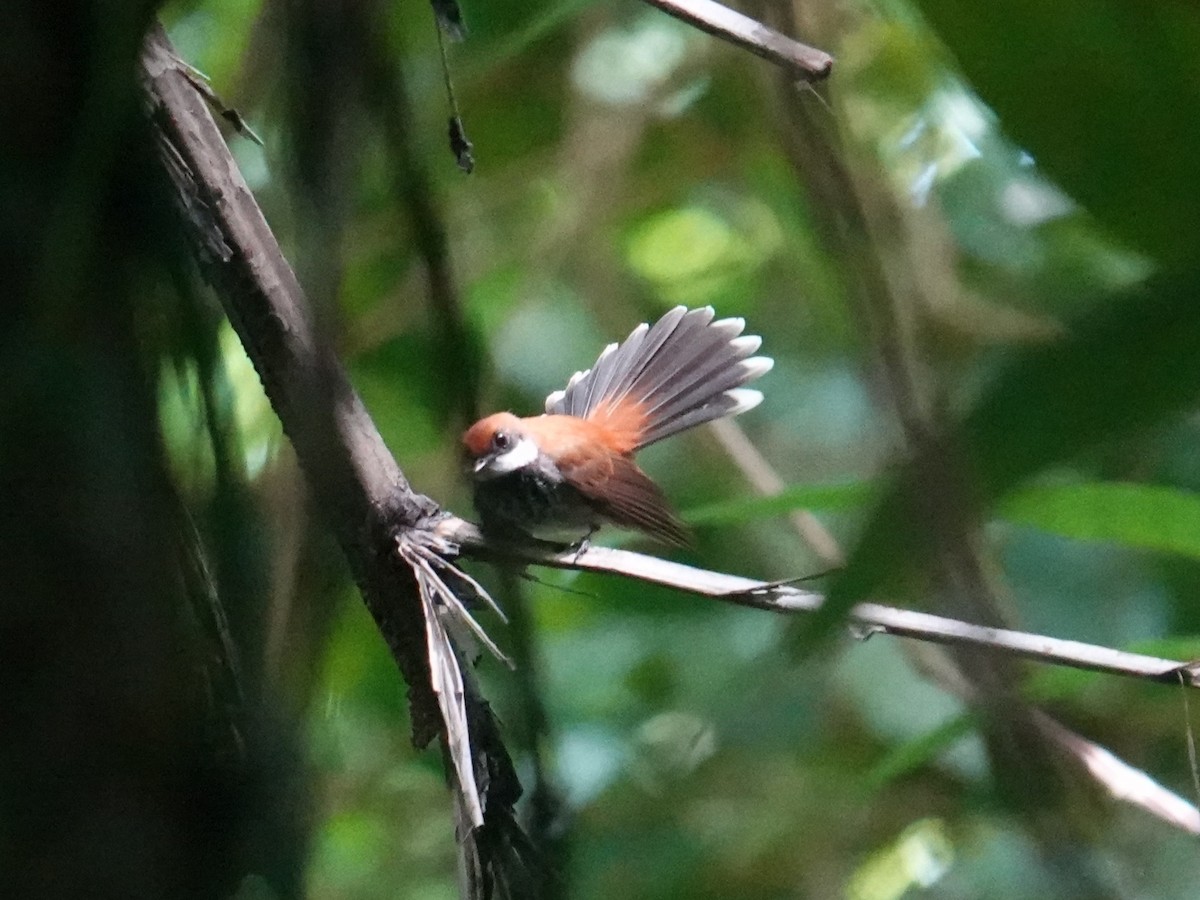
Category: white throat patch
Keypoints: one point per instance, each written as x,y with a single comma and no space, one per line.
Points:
522,453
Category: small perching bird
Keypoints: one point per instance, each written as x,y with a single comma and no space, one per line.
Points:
572,469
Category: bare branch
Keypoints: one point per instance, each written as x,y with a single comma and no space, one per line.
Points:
1118,778
729,25
354,477
1121,780
869,618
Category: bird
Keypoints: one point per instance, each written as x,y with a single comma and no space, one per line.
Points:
571,470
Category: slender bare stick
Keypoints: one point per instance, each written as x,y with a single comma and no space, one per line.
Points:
870,618
729,25
1118,778
1123,781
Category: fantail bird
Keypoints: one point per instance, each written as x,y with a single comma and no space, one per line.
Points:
572,469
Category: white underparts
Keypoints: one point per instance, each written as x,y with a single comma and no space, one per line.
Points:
523,453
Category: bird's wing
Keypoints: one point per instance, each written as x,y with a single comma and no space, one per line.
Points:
624,494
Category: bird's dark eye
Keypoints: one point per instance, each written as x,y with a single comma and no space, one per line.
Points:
502,440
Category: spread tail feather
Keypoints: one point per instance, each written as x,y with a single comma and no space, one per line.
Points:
684,370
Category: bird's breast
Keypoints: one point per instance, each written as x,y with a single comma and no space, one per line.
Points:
535,500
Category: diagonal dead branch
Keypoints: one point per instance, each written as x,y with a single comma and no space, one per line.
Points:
766,482
358,486
356,481
1121,780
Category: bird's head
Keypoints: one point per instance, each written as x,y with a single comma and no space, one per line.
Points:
498,445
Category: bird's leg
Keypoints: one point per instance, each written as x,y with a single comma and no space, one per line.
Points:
584,544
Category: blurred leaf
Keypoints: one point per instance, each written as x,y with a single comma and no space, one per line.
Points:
1120,371
918,858
349,848
652,679
1146,516
625,65
401,382
1094,90
1049,684
893,62
1123,369
513,38
918,752
696,255
846,495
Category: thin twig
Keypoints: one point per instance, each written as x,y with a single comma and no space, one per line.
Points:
1118,778
868,618
460,145
1121,780
728,25
1190,737
200,82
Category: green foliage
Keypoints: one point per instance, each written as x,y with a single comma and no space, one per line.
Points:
1093,90
1120,371
822,497
1034,168
1147,517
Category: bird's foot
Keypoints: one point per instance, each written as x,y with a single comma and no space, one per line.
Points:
582,545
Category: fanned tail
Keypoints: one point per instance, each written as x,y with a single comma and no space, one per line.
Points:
683,371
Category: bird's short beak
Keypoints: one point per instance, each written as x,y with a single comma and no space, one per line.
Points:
481,464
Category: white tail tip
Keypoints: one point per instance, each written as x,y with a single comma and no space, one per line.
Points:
756,367
744,399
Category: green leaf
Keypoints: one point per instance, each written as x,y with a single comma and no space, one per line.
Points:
1119,371
829,497
911,755
1148,517
1097,91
